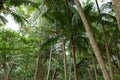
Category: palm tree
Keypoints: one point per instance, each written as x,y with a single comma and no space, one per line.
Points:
92,40
106,45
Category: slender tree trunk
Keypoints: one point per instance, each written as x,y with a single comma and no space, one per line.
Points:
92,41
67,8
38,61
116,4
49,64
37,71
73,57
9,71
54,74
64,59
65,70
106,45
70,68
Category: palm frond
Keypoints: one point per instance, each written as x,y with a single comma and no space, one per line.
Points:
75,19
73,9
111,24
20,2
52,3
47,43
106,6
89,9
49,18
63,22
108,16
18,18
3,19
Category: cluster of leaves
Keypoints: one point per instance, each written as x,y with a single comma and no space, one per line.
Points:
18,50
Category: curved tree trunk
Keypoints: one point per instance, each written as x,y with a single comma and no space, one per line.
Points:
116,4
92,41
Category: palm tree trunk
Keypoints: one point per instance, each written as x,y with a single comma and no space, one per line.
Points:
37,71
64,61
38,61
106,45
73,57
49,64
70,69
116,4
67,7
92,41
54,74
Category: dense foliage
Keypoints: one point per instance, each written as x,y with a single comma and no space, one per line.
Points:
50,32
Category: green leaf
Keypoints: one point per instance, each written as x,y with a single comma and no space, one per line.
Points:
75,19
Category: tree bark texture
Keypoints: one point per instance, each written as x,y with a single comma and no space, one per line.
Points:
92,41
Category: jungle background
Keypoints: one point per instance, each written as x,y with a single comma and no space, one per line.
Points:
51,40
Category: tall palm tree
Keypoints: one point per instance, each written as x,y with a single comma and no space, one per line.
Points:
106,45
92,41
